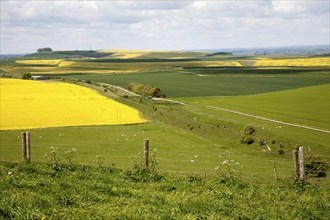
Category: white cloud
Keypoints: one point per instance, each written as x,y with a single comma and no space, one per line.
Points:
161,24
300,8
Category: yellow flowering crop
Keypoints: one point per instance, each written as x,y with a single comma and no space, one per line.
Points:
39,62
321,61
221,63
38,104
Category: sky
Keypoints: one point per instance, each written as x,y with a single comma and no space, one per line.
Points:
161,25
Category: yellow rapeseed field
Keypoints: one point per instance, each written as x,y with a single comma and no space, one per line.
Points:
27,104
39,62
317,61
221,63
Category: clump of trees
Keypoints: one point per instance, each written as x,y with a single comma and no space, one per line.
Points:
45,49
145,90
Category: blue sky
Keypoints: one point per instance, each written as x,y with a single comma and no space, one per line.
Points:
161,25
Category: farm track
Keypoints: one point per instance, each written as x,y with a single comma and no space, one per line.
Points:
271,120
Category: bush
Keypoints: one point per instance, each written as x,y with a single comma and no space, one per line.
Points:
26,76
249,130
247,137
247,140
315,167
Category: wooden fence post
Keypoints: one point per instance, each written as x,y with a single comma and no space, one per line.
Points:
275,170
28,147
302,164
23,136
295,163
146,153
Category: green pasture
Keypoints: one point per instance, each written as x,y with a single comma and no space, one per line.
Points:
178,150
214,82
306,106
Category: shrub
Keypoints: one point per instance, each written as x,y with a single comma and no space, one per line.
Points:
4,75
315,167
281,151
26,76
247,140
249,130
247,137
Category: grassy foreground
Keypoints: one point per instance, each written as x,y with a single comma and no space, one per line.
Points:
69,191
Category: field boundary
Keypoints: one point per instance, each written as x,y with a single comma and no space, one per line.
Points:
271,120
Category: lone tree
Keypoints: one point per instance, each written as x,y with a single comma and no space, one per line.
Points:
45,49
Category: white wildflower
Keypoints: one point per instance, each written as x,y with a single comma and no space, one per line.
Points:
10,173
192,161
225,162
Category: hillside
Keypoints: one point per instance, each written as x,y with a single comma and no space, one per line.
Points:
57,190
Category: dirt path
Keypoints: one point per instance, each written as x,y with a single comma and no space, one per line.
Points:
268,119
169,100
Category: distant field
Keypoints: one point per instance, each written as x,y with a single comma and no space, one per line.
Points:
306,62
39,62
127,54
27,104
215,82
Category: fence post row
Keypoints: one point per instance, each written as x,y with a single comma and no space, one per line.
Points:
146,153
26,147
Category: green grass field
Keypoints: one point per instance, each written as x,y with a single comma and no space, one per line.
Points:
215,83
308,106
190,138
97,172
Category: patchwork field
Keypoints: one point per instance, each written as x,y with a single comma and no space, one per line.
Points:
215,81
191,138
29,104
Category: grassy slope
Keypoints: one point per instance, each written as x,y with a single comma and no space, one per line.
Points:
308,106
42,191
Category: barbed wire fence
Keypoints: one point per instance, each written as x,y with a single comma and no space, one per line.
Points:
171,161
